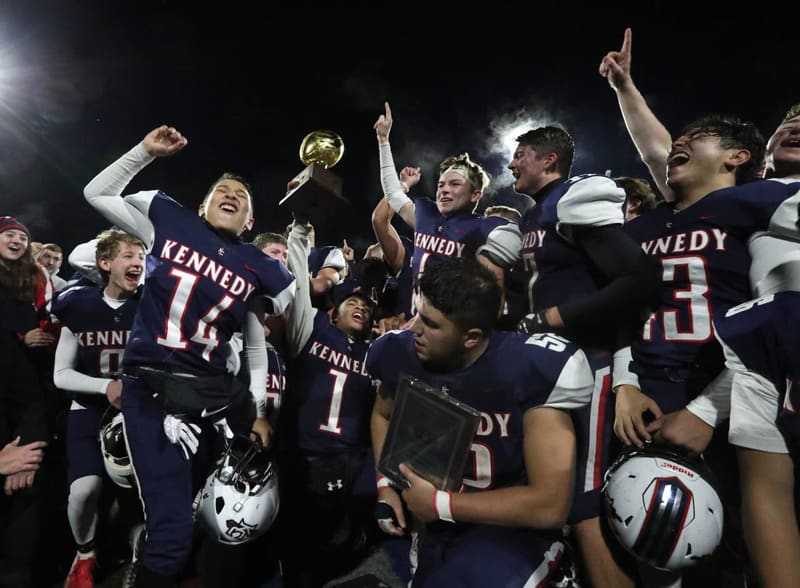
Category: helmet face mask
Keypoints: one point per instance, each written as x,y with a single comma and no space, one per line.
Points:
239,501
244,466
115,453
663,507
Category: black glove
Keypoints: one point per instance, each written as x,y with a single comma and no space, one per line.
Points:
534,323
385,517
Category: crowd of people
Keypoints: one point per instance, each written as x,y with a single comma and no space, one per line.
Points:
209,406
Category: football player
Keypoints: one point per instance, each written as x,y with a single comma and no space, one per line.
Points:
447,226
203,284
700,242
96,324
588,281
502,526
323,431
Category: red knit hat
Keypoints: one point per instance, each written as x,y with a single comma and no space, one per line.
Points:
9,222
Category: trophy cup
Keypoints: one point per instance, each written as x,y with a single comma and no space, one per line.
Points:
317,191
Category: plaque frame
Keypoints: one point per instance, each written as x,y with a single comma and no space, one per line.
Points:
431,432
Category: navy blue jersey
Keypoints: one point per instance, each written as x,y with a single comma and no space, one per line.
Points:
702,257
438,237
276,383
516,283
400,288
330,396
102,332
557,270
765,336
514,374
197,286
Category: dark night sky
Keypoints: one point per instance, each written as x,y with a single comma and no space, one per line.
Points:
82,81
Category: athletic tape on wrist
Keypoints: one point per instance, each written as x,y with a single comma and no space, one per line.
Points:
441,505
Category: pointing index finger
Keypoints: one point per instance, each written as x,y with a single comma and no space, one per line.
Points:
626,41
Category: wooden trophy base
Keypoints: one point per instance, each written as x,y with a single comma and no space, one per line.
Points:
318,196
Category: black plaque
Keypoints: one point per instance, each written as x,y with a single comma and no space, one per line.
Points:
429,431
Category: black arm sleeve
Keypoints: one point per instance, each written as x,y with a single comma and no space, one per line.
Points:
630,284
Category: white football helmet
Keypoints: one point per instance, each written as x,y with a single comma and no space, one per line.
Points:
239,501
663,507
115,453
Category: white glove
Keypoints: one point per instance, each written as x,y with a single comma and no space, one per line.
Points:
179,432
223,428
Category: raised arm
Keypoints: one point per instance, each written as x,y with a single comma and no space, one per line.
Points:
104,192
82,260
300,315
394,254
392,189
651,139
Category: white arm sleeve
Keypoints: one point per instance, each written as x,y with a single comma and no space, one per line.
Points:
300,314
621,373
82,260
503,245
390,181
65,376
256,349
104,191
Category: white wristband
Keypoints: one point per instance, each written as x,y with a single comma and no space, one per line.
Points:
383,482
441,505
397,200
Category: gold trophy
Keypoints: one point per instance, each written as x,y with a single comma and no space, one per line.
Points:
317,191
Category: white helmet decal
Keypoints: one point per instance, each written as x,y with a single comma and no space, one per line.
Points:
239,501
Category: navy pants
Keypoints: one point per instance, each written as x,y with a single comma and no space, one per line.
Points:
165,479
477,556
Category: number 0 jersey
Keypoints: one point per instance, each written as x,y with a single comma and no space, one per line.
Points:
101,331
